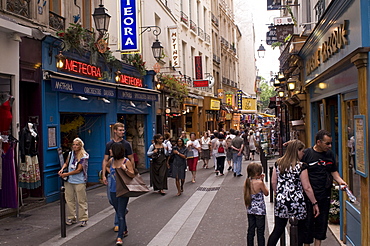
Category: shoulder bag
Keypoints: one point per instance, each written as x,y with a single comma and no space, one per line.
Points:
129,187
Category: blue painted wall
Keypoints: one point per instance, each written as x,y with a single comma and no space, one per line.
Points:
102,114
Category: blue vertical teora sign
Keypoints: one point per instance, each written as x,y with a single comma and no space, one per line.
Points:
129,26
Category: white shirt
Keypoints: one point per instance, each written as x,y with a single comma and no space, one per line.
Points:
195,145
205,142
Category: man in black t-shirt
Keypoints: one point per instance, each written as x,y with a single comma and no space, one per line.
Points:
322,169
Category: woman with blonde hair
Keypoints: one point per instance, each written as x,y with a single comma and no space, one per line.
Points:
75,186
290,181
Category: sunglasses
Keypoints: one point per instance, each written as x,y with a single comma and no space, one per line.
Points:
327,143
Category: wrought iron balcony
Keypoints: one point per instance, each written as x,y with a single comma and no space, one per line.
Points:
207,38
184,18
19,7
214,19
193,26
56,21
200,33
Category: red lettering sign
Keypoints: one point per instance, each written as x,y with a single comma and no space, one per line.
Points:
128,80
81,68
198,67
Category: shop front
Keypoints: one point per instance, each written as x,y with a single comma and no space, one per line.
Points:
212,109
78,103
192,108
11,35
336,77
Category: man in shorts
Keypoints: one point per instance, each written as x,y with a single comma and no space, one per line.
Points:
322,169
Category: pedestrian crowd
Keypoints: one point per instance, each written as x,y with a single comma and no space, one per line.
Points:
301,178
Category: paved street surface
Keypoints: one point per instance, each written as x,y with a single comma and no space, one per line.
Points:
209,212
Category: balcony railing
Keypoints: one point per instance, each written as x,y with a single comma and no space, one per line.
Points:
19,7
200,33
216,59
207,38
56,21
224,42
184,18
193,26
214,19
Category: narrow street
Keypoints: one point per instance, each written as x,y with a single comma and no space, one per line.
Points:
209,212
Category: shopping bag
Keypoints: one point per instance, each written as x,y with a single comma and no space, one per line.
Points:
129,187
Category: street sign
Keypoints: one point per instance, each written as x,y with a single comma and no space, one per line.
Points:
200,83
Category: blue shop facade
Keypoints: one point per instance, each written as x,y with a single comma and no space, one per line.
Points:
336,76
77,102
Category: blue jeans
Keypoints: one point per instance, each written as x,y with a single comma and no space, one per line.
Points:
120,205
256,221
111,203
237,161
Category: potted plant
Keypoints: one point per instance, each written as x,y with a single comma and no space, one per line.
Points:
174,85
136,60
334,216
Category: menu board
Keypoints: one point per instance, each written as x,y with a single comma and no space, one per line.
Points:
360,145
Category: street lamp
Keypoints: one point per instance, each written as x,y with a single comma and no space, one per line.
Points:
291,84
261,51
157,50
156,46
101,19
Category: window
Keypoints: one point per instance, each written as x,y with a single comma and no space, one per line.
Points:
354,181
86,14
55,6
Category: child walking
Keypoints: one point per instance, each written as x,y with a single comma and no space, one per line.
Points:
254,189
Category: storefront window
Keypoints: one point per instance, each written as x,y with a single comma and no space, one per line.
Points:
135,129
354,179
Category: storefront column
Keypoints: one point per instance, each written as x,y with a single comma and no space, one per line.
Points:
361,61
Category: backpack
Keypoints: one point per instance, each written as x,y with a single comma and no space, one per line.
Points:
221,148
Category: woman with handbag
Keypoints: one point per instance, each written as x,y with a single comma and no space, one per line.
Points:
75,185
178,157
158,168
119,161
194,147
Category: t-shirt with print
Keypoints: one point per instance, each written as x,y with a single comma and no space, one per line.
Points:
126,144
320,166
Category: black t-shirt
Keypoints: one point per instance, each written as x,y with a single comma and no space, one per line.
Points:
128,148
320,166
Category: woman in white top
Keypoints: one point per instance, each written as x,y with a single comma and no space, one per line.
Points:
193,145
252,146
205,142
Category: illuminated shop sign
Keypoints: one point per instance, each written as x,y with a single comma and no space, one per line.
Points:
136,96
81,68
129,26
336,41
128,80
81,88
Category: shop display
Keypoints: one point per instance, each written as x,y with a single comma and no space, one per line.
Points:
29,170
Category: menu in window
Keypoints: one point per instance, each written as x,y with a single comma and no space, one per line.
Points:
360,145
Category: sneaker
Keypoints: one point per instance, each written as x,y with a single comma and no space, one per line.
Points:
234,174
125,233
229,169
239,175
115,228
70,222
119,241
83,223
